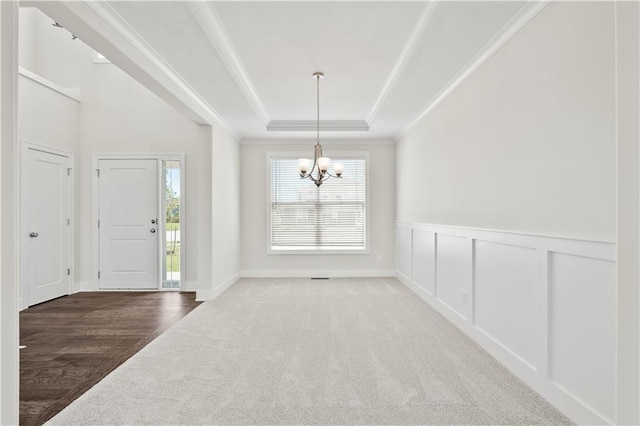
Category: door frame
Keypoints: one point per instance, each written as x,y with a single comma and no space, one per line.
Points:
95,185
25,145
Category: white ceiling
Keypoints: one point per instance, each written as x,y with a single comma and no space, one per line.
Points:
249,64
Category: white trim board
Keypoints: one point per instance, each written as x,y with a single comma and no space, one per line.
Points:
317,273
9,270
202,295
311,141
311,125
73,94
589,248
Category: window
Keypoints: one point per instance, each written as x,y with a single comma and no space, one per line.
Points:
330,218
171,215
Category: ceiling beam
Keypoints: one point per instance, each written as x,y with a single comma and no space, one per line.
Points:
102,28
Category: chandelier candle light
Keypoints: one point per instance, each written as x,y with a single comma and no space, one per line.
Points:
320,163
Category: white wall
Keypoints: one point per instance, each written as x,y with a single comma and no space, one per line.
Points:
46,117
27,52
225,222
254,215
9,358
628,67
527,142
118,116
49,119
527,145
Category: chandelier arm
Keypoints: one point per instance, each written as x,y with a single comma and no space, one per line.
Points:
315,161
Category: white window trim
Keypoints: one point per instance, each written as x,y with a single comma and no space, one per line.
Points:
314,250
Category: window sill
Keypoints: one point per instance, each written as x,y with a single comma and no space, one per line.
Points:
316,250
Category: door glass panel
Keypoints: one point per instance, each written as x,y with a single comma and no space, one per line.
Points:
171,220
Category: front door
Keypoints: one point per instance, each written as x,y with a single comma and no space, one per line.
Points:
45,196
128,224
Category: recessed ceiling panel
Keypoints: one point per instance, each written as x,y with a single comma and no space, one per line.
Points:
356,44
255,66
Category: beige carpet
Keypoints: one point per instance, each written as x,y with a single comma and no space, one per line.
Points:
300,351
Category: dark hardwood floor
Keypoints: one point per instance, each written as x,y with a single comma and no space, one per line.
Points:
75,341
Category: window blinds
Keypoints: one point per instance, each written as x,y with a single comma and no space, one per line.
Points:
304,216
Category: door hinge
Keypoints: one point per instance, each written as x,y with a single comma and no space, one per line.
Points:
69,172
98,223
68,271
69,222
98,274
98,172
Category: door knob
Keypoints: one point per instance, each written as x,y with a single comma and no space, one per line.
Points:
33,235
152,230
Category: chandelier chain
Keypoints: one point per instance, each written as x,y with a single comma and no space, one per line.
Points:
320,162
318,108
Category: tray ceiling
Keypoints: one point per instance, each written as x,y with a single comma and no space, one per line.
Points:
249,64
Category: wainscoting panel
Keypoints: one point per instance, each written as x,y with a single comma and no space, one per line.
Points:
582,328
543,306
505,296
453,274
424,260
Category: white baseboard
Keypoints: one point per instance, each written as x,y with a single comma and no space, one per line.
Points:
323,273
86,286
191,286
202,295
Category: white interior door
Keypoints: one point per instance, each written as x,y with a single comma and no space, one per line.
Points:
47,227
128,220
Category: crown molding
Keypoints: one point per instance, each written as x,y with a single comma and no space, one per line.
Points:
311,125
219,39
506,33
403,60
180,88
308,141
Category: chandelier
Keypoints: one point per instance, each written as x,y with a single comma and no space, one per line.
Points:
318,171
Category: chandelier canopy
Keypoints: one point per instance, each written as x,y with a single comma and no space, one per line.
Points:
318,170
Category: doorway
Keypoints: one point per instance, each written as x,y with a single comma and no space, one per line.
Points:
46,224
140,226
